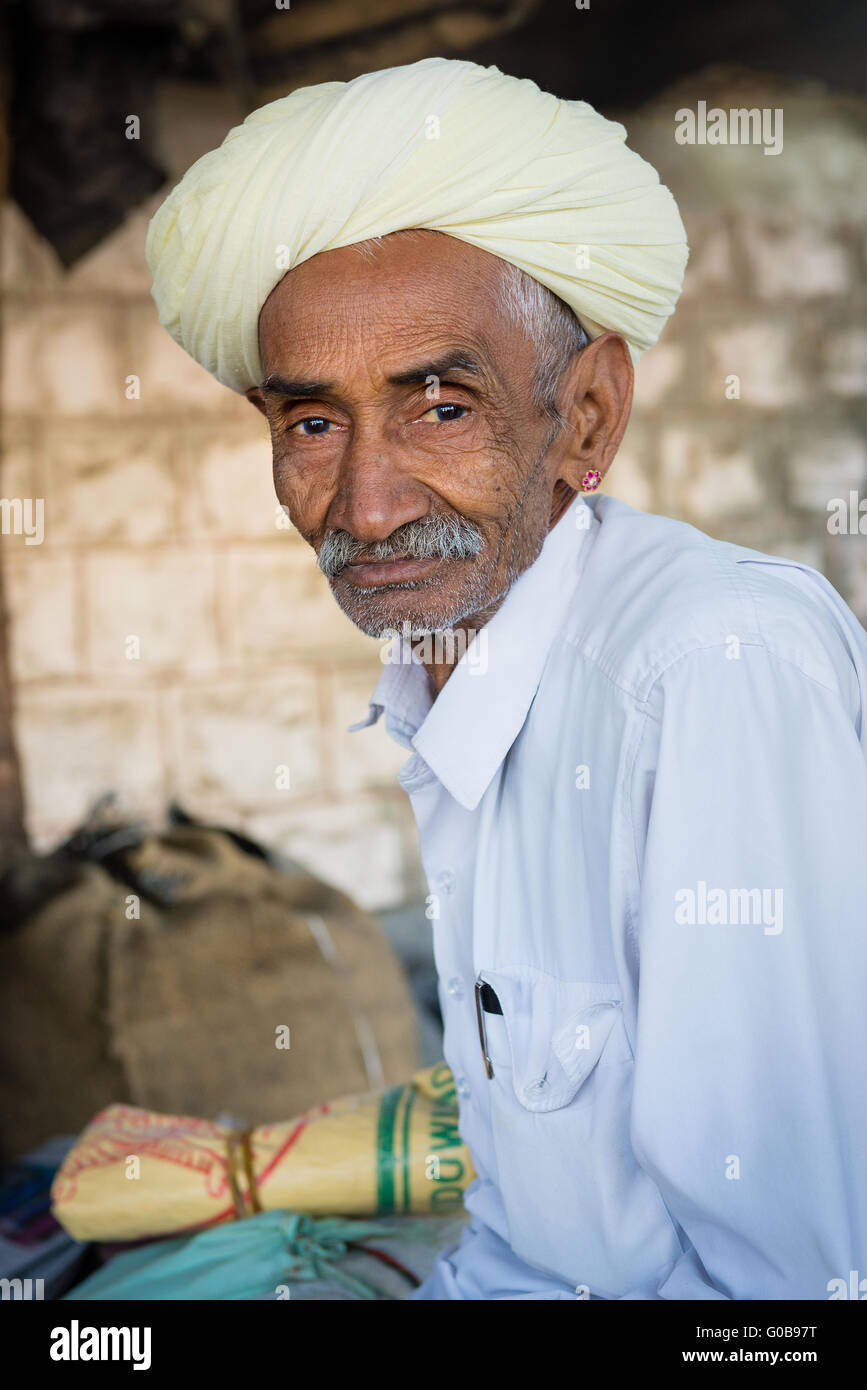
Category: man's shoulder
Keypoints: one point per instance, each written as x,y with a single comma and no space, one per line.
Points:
655,589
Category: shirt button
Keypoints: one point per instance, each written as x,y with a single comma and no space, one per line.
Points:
455,988
446,881
462,1087
536,1089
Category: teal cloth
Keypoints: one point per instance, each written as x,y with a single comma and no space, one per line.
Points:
241,1260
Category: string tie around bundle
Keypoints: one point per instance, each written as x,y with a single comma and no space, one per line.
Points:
240,1171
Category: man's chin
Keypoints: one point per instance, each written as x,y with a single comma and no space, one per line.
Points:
386,615
408,625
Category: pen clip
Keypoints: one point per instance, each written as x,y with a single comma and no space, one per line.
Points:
483,1038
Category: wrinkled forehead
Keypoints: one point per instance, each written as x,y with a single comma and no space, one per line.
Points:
399,293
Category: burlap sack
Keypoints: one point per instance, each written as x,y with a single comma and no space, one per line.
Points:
173,974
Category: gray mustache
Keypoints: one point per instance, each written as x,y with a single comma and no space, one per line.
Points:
438,537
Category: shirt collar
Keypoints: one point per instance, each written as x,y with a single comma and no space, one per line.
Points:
403,693
466,731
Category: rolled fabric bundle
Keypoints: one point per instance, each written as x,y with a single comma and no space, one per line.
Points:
278,1255
135,1173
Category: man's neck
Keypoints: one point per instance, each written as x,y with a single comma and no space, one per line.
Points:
447,654
447,651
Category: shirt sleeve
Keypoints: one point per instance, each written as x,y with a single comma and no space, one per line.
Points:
750,1101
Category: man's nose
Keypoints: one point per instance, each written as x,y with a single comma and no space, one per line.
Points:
376,492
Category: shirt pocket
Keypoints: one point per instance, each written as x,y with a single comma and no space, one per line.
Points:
577,1204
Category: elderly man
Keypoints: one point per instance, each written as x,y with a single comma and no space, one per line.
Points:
640,779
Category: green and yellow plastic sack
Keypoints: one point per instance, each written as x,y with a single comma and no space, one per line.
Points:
136,1173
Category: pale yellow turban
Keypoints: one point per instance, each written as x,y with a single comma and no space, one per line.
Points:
445,144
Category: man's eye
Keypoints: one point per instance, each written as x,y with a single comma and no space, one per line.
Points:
312,424
443,414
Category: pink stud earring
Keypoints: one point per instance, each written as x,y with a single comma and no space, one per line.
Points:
591,480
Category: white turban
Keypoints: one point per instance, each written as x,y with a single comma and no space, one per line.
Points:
444,144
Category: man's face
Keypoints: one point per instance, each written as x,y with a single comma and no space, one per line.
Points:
399,398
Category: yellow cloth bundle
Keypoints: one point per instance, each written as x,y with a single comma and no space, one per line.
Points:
136,1173
442,144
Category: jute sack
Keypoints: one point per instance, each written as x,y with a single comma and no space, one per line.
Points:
186,974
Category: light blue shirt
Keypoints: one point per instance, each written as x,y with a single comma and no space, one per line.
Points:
643,821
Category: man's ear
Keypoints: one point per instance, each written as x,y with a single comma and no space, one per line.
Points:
601,399
255,397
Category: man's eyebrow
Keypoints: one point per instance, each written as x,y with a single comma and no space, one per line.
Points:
451,362
276,385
